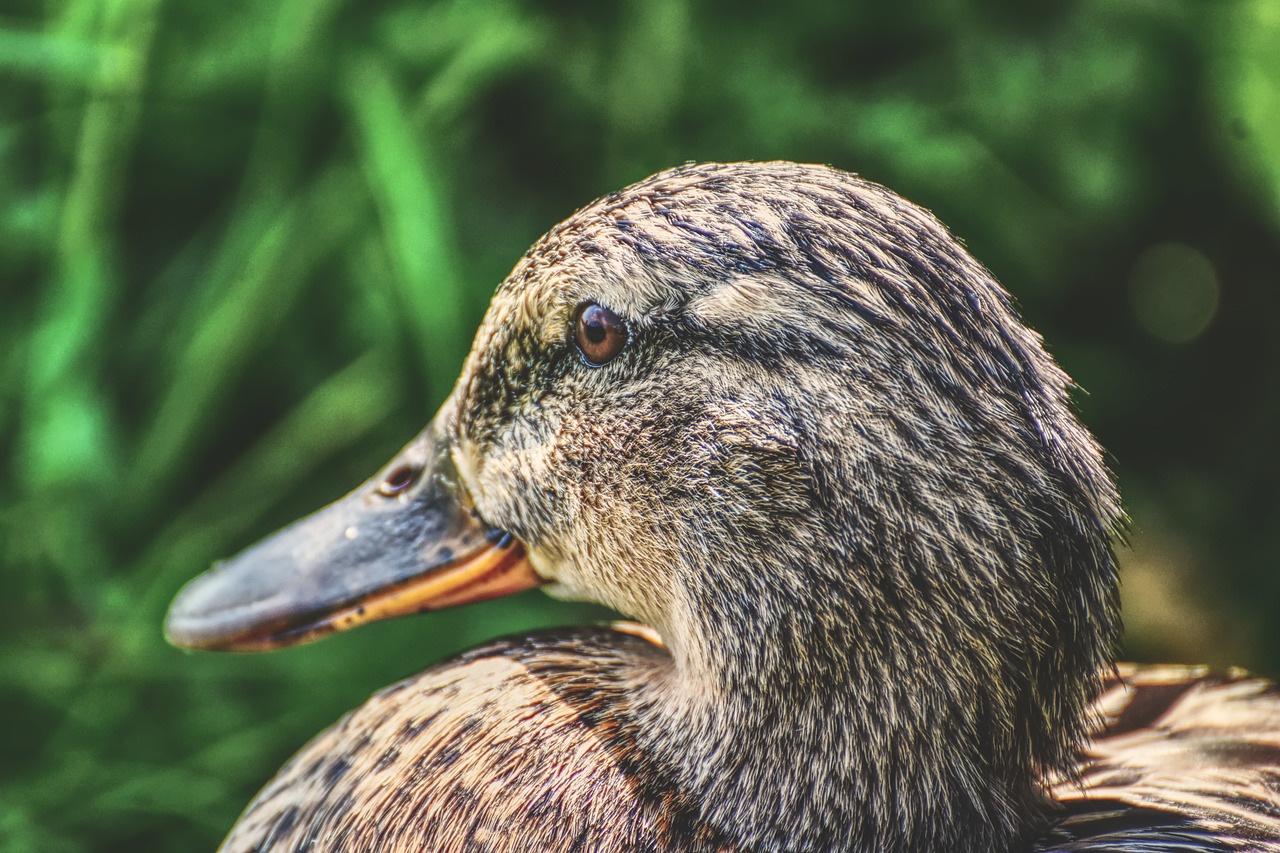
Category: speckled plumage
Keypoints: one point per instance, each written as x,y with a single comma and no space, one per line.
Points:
836,473
523,744
1182,761
529,743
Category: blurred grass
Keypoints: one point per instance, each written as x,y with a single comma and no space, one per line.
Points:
242,246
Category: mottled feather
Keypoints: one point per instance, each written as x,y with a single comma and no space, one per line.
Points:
1184,760
522,744
528,744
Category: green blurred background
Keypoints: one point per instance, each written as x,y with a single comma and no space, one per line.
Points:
243,244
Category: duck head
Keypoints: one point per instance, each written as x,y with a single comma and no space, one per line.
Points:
779,414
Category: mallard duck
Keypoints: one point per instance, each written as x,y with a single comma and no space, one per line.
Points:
779,417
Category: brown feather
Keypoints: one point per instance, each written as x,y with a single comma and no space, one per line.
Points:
529,744
523,744
1179,751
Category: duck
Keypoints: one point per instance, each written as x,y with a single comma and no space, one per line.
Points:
779,419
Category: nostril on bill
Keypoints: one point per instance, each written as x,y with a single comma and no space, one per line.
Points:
399,480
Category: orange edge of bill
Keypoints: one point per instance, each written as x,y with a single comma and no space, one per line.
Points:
490,572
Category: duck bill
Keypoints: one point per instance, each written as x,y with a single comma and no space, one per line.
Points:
404,542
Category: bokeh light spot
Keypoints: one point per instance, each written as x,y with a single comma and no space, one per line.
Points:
1174,292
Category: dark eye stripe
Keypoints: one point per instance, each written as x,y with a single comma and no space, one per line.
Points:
599,333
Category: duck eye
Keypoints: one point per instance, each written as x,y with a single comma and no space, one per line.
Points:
599,333
398,480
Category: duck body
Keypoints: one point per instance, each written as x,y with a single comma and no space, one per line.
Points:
777,414
1180,759
531,744
528,743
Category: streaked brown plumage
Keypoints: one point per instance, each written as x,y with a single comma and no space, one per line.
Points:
536,734
1183,759
829,465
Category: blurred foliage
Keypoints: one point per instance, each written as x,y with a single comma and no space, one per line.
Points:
242,245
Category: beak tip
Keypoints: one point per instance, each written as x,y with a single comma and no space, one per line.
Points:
186,630
198,619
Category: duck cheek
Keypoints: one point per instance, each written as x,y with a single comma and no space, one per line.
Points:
552,559
545,565
607,573
564,580
513,491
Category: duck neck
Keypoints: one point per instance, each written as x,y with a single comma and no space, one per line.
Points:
799,733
